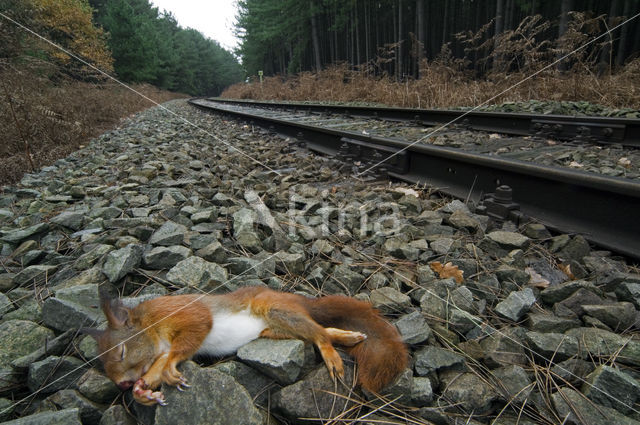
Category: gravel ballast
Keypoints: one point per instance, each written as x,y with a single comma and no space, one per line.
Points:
505,325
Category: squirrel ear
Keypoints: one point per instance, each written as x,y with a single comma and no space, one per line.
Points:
93,332
113,309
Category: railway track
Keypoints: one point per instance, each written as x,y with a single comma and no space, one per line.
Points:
501,181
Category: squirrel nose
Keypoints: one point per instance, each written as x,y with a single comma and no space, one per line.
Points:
125,385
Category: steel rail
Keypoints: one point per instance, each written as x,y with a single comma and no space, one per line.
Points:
603,209
608,130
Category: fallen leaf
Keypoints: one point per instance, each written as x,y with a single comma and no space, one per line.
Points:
447,270
536,280
625,162
566,269
575,164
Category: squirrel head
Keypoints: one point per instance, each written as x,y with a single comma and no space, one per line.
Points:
125,348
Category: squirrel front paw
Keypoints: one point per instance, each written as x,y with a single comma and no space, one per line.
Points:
171,376
145,396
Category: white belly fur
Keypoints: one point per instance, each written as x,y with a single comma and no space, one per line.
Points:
231,331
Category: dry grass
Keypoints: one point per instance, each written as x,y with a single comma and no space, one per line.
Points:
506,62
46,116
440,86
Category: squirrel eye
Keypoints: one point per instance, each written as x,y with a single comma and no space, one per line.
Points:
123,350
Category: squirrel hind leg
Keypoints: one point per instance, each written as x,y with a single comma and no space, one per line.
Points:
344,337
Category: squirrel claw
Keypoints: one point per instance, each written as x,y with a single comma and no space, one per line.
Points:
182,385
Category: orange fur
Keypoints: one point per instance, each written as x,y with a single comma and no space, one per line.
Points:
151,339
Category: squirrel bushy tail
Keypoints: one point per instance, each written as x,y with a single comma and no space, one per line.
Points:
382,356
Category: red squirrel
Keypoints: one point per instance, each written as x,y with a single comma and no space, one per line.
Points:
142,346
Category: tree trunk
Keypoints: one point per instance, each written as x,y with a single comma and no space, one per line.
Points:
499,16
367,31
622,43
444,21
355,15
565,7
605,62
314,37
420,24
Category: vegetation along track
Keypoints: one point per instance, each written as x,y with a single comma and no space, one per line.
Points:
578,178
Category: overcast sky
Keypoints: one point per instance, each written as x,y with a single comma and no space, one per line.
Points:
213,18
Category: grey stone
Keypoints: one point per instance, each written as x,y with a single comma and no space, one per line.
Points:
516,304
600,343
97,387
433,304
70,219
431,359
413,328
347,279
552,345
59,417
121,262
421,391
208,215
262,268
282,360
19,338
6,409
505,241
389,300
7,281
513,383
256,383
165,257
580,298
462,220
453,206
73,307
442,245
612,388
557,293
315,396
34,274
168,234
5,305
618,316
198,273
572,371
249,241
90,412
293,263
468,391
512,278
214,399
576,249
536,231
55,346
17,236
243,220
574,408
213,252
322,247
629,291
117,415
55,373
540,322
504,348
